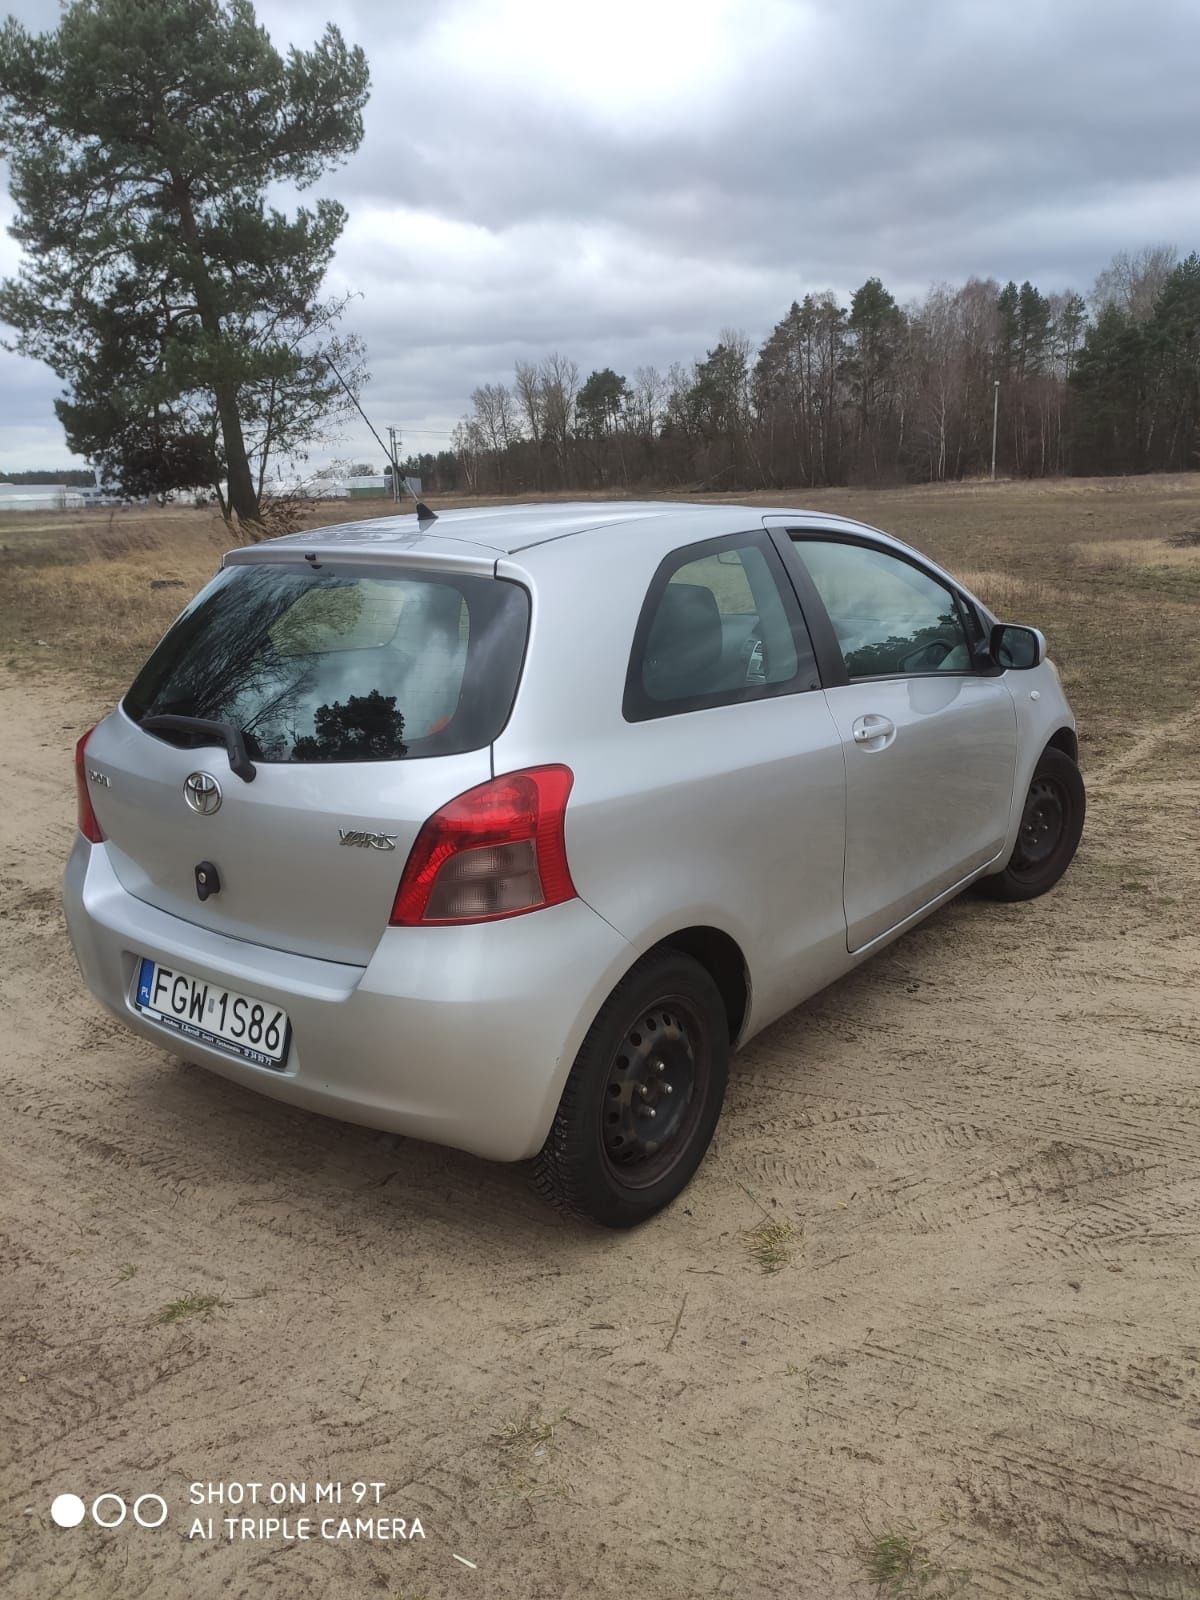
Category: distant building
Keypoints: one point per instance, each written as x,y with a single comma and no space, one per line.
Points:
372,488
364,488
39,497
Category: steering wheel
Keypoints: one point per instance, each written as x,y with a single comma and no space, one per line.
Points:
927,657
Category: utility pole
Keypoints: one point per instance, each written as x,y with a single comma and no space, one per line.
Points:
395,466
424,514
995,419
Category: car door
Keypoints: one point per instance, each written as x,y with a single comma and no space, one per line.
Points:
929,732
721,802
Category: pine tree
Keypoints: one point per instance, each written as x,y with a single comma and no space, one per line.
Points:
1109,385
158,283
1174,331
876,324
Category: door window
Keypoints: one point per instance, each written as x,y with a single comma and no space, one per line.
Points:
717,627
891,618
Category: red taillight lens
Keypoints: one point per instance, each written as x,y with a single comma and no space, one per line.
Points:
85,816
497,851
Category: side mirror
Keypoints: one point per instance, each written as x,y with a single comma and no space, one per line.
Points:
1017,648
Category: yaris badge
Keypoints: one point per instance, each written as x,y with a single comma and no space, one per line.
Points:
366,841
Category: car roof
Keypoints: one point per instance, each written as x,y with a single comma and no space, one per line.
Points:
506,530
478,538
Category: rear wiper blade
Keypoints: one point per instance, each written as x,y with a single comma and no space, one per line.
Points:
226,733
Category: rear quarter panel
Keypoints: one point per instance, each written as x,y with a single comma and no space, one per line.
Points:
681,821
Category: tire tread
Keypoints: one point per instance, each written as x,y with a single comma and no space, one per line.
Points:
1004,885
555,1175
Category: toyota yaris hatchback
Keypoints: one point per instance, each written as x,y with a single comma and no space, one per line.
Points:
503,829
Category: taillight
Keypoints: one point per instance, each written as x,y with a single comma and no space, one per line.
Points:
89,827
497,851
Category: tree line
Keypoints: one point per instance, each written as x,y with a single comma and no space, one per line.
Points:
73,477
869,392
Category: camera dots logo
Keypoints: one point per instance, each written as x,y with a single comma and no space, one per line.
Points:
109,1510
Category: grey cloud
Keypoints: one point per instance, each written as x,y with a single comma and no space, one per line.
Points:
502,208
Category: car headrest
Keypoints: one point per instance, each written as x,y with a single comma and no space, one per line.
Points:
442,606
685,641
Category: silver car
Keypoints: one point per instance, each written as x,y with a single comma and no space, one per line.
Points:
503,829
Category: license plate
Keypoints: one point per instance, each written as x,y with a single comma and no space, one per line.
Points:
236,1023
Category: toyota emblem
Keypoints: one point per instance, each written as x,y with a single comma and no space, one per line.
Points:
202,792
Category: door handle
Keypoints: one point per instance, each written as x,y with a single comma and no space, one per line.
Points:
874,731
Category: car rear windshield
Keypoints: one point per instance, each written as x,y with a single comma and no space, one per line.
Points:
341,664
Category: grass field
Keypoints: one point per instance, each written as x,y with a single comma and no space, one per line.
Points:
1109,568
923,1325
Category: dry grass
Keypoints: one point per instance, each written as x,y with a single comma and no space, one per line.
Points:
93,592
1110,569
770,1245
190,1305
1116,555
529,1433
527,1467
902,1566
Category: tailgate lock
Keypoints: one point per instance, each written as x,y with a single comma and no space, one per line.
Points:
208,880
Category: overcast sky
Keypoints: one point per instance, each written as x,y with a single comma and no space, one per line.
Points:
621,180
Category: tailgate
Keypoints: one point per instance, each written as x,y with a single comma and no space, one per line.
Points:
287,879
366,698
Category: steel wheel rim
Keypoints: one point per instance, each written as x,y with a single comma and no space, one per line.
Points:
1043,824
654,1093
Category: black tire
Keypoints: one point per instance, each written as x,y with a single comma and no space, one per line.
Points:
1051,825
608,1158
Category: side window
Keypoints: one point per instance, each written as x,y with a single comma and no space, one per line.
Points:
719,626
891,619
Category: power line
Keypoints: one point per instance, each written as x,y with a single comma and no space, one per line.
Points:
354,402
423,512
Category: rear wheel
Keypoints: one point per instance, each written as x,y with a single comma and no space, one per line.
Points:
1048,837
643,1096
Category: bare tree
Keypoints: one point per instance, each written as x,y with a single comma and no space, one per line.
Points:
647,400
1134,282
559,377
494,415
935,373
468,442
527,384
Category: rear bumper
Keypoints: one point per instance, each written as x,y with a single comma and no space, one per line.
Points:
462,1036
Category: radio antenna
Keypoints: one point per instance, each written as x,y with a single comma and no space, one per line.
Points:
424,514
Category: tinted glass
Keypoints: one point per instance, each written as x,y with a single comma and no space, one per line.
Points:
891,619
332,664
716,628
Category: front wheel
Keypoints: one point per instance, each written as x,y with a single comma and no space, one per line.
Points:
642,1100
1048,837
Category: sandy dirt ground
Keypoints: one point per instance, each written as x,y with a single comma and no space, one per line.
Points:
984,1331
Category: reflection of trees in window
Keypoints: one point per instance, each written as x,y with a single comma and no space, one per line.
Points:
270,731
247,654
265,647
367,728
322,619
221,654
922,650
